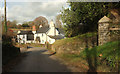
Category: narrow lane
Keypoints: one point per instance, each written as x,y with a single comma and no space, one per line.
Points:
39,60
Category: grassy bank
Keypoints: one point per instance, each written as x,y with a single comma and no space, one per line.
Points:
83,53
75,44
100,58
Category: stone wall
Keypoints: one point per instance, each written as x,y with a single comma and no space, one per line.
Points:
104,34
103,30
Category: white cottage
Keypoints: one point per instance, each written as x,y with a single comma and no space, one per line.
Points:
25,37
42,35
48,34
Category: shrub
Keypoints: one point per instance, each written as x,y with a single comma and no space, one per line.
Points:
8,50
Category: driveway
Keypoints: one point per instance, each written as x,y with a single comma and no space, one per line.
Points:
38,59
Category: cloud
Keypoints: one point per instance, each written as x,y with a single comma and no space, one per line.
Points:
62,0
2,11
27,11
36,0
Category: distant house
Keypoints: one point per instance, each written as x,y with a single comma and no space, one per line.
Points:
44,34
25,37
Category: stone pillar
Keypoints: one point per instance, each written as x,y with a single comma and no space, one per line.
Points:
103,30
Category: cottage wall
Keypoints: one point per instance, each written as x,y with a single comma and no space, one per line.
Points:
52,31
44,38
50,40
40,35
22,38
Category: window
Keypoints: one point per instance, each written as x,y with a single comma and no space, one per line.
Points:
30,36
37,39
23,41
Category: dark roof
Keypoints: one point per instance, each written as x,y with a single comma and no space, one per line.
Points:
25,32
43,29
57,37
29,32
61,31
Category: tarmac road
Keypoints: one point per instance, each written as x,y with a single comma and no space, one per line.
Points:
38,59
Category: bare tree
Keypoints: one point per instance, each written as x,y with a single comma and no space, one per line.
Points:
41,21
58,23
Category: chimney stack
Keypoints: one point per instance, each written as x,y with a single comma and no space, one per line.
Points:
33,28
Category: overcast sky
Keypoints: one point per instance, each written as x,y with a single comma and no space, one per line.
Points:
28,11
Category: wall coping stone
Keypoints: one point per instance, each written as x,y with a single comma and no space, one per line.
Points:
105,20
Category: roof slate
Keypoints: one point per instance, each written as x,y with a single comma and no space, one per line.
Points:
43,29
25,32
61,31
56,37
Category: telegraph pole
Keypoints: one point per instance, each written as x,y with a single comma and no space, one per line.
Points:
5,18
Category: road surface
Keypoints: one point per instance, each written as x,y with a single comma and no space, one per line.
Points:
38,59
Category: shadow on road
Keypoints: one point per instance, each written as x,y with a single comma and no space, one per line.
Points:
40,61
43,50
52,53
29,47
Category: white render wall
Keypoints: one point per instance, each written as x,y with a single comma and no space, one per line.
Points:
22,38
50,40
35,35
44,38
52,31
33,32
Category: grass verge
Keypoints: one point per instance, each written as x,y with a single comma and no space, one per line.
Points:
102,58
